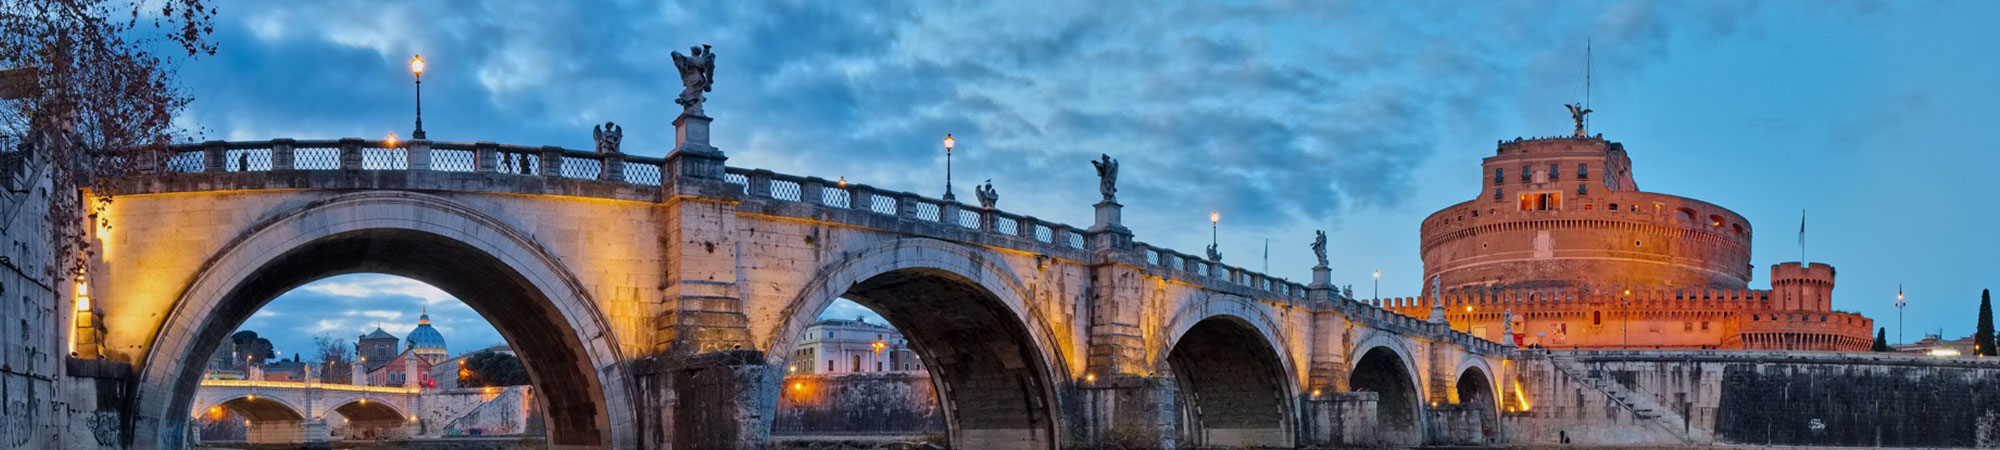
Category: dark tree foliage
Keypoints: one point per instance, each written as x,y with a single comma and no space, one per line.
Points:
1982,337
493,369
102,100
335,354
251,346
1882,341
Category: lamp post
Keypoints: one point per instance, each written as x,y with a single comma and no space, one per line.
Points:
1378,285
949,142
1214,225
1625,302
1899,312
417,68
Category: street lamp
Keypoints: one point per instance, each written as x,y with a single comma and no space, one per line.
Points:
1378,285
949,142
1625,302
417,68
1899,312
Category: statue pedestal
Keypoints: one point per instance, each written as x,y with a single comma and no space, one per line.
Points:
692,157
1110,214
691,134
1322,277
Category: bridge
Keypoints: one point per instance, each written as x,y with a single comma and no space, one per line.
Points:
281,412
655,300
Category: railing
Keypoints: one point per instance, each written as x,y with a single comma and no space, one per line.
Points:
309,385
375,155
1198,268
766,184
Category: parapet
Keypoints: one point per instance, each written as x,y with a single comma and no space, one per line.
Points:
1797,271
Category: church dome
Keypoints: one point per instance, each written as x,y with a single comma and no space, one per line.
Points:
425,337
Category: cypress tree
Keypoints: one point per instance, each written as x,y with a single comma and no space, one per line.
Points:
1882,341
1982,337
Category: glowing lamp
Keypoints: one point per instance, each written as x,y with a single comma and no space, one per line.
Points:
390,142
417,65
1214,217
949,142
1090,378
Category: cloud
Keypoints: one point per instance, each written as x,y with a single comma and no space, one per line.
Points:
379,286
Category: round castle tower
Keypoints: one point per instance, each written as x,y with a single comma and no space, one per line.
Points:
1565,212
1563,250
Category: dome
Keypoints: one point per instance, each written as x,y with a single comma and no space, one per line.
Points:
426,337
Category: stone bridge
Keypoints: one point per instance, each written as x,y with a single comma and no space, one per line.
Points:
279,412
656,300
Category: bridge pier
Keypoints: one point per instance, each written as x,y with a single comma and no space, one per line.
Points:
1128,411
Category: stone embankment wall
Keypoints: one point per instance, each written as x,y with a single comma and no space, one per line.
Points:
489,410
878,403
1757,398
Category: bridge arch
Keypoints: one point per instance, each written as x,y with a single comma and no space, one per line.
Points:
550,318
996,362
1475,390
1383,365
260,407
1234,377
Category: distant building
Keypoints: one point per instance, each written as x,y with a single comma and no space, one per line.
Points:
1935,345
850,346
375,348
426,341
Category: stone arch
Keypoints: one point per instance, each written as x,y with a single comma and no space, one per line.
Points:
889,275
552,320
1387,370
1233,376
260,407
1476,391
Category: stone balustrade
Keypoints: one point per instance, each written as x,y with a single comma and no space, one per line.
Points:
491,165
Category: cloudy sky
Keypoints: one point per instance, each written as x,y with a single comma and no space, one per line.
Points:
1356,118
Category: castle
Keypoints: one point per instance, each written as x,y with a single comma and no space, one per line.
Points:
1561,249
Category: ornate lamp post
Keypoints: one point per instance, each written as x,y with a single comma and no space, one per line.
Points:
1625,302
417,68
1899,312
1378,285
948,144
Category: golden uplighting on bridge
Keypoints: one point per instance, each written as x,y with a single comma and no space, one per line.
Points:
1521,396
1090,378
390,142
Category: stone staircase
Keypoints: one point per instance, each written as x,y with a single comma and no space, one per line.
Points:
1644,407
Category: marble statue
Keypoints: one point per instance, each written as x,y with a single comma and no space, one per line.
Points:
608,137
697,76
1319,246
1107,176
1214,253
987,195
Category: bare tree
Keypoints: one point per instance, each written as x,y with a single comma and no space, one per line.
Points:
102,101
335,356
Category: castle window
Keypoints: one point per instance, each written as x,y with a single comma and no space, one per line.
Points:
1496,194
1583,189
1714,220
1499,176
1527,172
1687,214
1614,207
1687,326
1738,227
1704,326
1555,172
1583,171
1597,317
1544,201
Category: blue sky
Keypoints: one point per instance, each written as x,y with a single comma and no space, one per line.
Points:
1357,118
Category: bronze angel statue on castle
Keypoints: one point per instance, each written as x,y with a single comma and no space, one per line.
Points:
697,76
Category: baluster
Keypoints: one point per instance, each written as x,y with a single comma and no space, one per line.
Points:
948,214
760,183
419,156
281,154
213,157
551,165
860,197
485,155
613,167
350,153
812,191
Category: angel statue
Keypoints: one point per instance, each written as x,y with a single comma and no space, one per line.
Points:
608,136
1214,253
1576,113
1107,176
697,75
1319,246
987,196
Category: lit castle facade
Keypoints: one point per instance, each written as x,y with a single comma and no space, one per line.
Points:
1562,238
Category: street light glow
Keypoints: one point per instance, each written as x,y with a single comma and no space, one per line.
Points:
417,65
949,142
1214,217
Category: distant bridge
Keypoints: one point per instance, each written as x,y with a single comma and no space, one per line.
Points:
656,300
280,412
